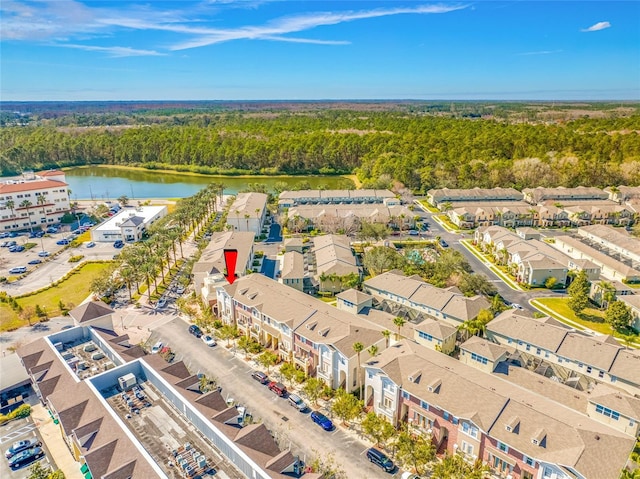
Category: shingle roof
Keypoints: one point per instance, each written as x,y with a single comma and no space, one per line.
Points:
292,265
531,330
484,348
594,351
354,296
89,311
247,203
569,438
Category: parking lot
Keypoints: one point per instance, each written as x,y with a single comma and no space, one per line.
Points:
19,430
51,268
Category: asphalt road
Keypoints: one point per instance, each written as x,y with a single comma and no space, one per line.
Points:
453,239
290,426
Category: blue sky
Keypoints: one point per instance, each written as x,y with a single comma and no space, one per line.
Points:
253,50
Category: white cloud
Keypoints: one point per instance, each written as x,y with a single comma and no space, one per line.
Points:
597,27
63,20
293,24
539,52
117,52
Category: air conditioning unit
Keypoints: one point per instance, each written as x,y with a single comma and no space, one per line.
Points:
535,442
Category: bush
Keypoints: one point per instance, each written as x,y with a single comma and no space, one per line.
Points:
19,413
75,259
3,279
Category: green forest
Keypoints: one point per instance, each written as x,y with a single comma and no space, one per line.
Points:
420,149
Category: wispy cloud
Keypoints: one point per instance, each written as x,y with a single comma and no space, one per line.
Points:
294,24
540,52
63,20
116,52
597,27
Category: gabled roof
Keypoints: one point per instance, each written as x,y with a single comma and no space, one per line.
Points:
354,296
89,311
513,325
595,351
7,188
492,351
132,221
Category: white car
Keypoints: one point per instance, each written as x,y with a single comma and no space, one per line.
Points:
162,302
90,244
156,347
516,306
409,475
43,254
208,340
180,289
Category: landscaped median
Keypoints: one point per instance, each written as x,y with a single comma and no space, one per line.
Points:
487,262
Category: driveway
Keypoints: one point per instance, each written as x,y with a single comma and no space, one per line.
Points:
269,267
291,427
275,233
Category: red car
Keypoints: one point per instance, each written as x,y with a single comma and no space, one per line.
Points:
278,388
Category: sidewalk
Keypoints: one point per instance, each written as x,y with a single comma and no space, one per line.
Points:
494,269
58,449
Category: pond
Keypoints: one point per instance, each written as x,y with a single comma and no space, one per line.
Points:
97,182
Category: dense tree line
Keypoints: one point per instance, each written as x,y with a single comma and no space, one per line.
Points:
420,150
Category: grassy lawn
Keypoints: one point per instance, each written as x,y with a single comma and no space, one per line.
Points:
428,207
73,290
590,318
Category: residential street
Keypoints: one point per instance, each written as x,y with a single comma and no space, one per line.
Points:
292,427
453,239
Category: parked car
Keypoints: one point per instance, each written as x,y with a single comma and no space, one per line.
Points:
118,244
156,347
413,232
409,475
25,457
90,244
380,459
20,446
16,249
208,340
63,242
43,254
4,235
443,243
18,270
162,302
278,388
52,229
180,290
35,261
516,306
297,402
323,421
259,376
195,330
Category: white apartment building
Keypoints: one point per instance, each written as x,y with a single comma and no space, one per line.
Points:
248,212
129,224
33,200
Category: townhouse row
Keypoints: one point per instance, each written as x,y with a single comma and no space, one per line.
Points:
521,425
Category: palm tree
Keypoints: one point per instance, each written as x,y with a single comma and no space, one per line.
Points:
387,334
372,350
27,204
41,202
399,322
358,347
11,205
246,217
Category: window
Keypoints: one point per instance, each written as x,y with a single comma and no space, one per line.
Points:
445,415
426,336
528,347
470,429
424,405
422,421
601,374
480,359
589,369
605,411
503,447
538,351
467,448
405,395
387,402
528,461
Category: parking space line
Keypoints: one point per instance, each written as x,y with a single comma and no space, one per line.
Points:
23,430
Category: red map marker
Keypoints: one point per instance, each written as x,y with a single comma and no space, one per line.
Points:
230,259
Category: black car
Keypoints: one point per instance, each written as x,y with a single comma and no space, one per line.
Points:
195,330
20,446
259,376
25,457
443,243
380,459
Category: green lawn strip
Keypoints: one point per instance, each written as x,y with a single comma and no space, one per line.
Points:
512,284
74,289
443,221
590,318
428,207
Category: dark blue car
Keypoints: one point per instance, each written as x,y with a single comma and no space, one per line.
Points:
322,420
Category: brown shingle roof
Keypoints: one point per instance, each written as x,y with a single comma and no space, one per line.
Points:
90,311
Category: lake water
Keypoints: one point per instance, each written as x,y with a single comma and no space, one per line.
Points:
110,183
